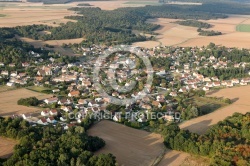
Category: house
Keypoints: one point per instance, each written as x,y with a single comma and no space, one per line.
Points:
156,104
64,101
42,121
68,126
12,65
10,84
183,90
45,113
74,94
51,120
62,119
142,119
56,90
168,118
44,71
86,83
209,84
51,100
245,80
25,64
82,101
173,94
53,112
205,88
216,84
230,84
5,72
25,116
235,81
215,78
93,104
117,117
243,83
67,109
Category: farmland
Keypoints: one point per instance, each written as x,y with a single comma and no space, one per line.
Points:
8,101
57,44
243,28
240,104
130,146
172,34
6,147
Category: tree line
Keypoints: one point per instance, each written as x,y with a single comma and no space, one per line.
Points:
226,143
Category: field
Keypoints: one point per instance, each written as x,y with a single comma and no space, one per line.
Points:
208,104
6,147
8,101
17,14
38,88
6,88
172,34
240,104
57,44
243,28
131,147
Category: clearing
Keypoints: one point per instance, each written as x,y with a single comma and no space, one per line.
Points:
6,147
8,101
240,104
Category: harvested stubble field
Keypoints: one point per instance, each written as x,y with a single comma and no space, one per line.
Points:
6,147
17,14
57,44
240,97
134,147
171,34
130,146
8,101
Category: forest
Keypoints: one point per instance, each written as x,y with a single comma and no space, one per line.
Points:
117,26
52,145
194,23
208,32
226,143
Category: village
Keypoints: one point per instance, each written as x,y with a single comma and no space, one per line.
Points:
176,72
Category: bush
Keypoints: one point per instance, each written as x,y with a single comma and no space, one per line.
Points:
31,101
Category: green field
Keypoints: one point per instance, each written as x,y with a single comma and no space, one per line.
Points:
39,89
143,3
2,15
243,28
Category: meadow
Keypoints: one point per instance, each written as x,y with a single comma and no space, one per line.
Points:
243,28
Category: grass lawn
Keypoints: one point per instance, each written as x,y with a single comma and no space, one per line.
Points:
2,15
4,88
208,105
40,89
243,28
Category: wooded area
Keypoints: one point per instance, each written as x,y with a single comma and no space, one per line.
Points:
226,143
52,145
